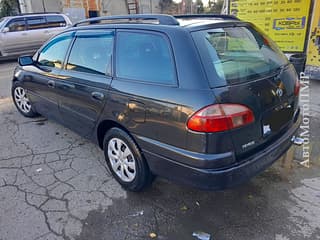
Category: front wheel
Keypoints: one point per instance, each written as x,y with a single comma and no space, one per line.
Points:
21,101
125,160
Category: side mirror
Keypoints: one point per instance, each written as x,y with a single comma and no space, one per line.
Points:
25,61
5,30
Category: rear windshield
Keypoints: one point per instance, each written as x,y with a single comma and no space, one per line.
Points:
238,54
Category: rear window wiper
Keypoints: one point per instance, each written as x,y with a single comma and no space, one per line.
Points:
279,70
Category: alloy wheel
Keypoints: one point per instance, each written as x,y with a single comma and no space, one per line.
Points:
22,100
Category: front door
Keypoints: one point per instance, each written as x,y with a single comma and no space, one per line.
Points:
84,83
41,82
14,41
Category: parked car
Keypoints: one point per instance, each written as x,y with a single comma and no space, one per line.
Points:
208,101
24,34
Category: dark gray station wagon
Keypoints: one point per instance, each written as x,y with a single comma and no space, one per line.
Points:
209,101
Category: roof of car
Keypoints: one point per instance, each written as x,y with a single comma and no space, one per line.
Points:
33,15
159,20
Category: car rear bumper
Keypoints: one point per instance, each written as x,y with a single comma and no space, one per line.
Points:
221,178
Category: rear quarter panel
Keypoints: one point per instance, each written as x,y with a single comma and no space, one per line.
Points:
164,110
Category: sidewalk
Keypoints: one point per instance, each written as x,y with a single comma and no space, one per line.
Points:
313,72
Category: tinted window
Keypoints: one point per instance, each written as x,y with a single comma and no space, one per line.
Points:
55,21
16,25
240,54
144,57
36,23
53,54
91,54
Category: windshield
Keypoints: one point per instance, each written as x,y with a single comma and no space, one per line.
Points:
239,54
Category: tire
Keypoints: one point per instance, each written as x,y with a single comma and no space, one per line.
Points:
125,161
21,101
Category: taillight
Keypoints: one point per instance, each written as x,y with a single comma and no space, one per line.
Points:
220,117
297,87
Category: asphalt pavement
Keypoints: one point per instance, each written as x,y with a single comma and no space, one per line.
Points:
54,185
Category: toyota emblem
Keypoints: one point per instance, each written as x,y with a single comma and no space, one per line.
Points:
279,92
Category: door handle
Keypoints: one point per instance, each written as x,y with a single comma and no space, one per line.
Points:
97,96
67,85
51,84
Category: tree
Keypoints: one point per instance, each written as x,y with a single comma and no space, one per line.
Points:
199,6
165,5
214,6
8,7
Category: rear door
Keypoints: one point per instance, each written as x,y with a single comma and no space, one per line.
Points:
37,32
84,83
245,67
55,24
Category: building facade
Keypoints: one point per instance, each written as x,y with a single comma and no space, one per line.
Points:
90,7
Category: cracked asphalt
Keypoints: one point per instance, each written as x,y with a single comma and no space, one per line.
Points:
55,185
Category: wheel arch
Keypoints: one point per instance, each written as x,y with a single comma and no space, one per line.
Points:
104,126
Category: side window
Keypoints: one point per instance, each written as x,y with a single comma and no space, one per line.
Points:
56,21
144,57
53,54
36,23
92,54
16,25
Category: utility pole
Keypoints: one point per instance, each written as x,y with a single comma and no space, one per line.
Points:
19,7
225,7
44,6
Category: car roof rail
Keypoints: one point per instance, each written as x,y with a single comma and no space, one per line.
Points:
37,13
207,16
161,19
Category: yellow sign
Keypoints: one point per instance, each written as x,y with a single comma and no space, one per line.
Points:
313,54
285,21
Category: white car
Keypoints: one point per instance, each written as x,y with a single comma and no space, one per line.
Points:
24,34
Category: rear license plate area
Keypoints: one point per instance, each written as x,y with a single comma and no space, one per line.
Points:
276,119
